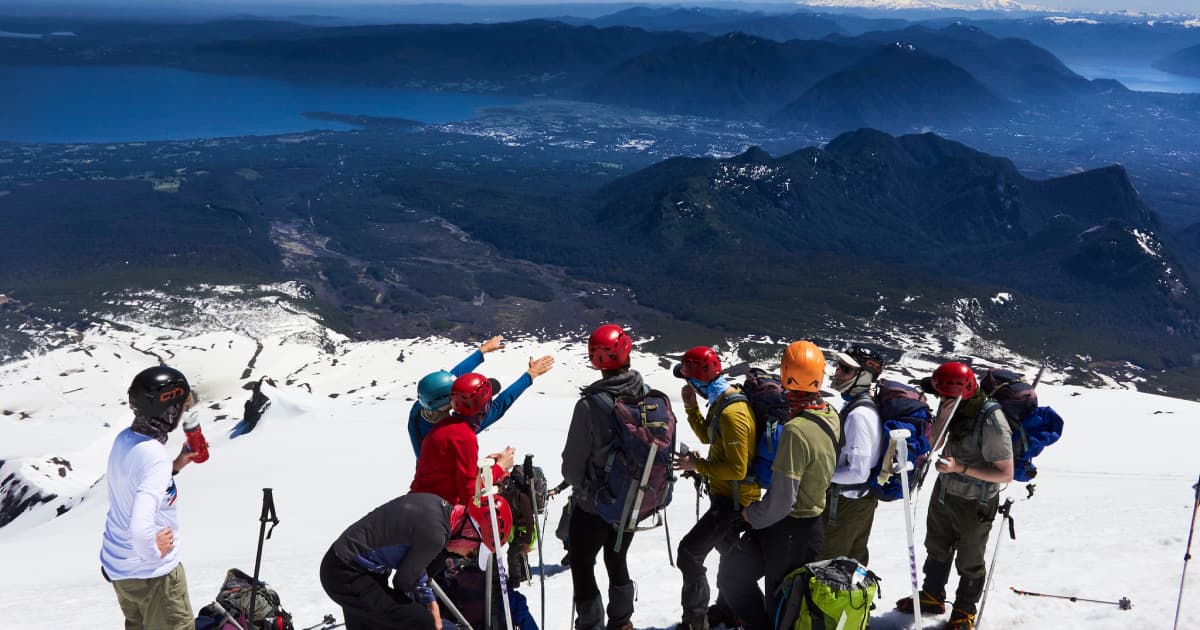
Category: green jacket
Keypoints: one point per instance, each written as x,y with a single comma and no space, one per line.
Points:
807,455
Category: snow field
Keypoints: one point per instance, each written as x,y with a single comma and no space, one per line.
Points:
1109,518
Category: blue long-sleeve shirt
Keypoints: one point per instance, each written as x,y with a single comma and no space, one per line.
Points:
419,427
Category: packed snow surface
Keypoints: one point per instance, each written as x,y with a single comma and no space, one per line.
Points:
1108,520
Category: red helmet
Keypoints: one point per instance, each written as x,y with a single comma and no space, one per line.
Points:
700,363
483,520
471,394
954,379
609,347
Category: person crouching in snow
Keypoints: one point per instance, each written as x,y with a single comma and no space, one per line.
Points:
409,536
448,465
433,393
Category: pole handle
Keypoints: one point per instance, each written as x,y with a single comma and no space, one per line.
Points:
268,511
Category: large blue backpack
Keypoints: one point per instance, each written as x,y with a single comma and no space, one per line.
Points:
637,481
764,392
900,407
1033,427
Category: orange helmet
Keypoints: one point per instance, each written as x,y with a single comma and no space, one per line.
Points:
803,367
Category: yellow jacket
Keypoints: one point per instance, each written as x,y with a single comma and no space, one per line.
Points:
731,448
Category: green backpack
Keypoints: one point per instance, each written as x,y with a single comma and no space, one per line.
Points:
827,595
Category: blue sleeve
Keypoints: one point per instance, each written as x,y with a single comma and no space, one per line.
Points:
501,403
468,364
416,430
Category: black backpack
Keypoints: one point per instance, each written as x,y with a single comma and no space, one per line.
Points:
234,598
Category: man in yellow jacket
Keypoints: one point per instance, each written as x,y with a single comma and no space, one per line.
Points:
729,430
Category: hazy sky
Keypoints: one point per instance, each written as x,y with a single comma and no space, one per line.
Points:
1170,6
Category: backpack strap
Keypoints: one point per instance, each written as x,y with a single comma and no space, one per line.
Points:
862,400
713,417
838,443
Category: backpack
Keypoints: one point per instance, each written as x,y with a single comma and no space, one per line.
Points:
768,402
515,488
637,480
1033,427
900,407
825,595
764,392
234,598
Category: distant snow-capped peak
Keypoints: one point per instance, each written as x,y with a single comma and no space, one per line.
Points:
901,5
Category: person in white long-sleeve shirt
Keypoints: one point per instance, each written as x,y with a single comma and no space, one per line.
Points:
850,508
139,554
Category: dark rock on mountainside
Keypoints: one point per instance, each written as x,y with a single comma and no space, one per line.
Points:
733,75
898,87
1185,62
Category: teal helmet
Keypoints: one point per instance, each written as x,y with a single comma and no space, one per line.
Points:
433,391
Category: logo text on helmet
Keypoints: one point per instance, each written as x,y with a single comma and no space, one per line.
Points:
171,394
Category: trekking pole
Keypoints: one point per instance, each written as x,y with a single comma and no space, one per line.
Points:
900,442
227,618
1042,370
533,494
1006,511
458,616
488,490
943,429
1123,603
1187,554
667,530
267,516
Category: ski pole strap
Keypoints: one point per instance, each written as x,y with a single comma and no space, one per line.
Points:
268,511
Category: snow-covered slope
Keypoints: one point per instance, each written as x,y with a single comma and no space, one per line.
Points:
1108,519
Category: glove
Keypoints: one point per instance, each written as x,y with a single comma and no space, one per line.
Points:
423,593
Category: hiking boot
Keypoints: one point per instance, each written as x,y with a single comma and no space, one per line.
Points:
930,605
719,615
693,623
960,620
625,626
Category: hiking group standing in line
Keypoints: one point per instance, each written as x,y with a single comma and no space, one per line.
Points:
791,481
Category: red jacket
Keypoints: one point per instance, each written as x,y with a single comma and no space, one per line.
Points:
448,465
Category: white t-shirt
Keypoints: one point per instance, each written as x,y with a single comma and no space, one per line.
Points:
863,448
141,502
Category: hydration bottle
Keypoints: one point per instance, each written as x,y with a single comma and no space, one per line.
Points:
195,438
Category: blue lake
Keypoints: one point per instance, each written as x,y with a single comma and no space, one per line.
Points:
130,104
1141,78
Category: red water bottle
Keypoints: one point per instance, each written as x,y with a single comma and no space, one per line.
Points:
195,438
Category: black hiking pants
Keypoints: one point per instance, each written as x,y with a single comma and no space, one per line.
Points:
589,534
367,602
718,528
771,553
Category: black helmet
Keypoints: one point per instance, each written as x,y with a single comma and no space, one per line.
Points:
866,359
159,392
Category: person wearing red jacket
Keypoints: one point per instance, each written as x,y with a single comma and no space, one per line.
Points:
448,465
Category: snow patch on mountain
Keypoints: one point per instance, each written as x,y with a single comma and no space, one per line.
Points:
905,5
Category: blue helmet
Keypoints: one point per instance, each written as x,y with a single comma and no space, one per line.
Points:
433,391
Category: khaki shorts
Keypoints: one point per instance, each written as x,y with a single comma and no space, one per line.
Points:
159,603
